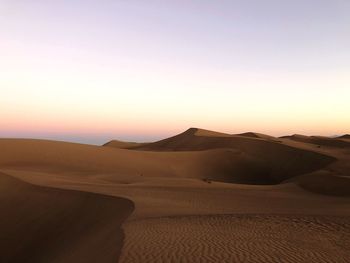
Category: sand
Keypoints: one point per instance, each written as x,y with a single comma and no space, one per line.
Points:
200,196
243,238
320,141
122,145
40,224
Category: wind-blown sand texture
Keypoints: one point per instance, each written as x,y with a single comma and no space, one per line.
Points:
200,196
243,238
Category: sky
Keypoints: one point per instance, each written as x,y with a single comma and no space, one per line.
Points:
140,70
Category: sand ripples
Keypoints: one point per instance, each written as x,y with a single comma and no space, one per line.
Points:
229,238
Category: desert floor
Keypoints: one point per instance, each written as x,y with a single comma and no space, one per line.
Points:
200,196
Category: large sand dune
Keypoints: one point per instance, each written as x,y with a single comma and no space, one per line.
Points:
40,224
274,161
291,203
227,159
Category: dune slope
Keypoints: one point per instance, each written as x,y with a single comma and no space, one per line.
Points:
325,182
40,224
239,160
280,161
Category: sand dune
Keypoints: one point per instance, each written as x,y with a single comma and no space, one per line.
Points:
206,133
278,161
345,136
122,145
320,140
248,160
41,224
291,203
258,135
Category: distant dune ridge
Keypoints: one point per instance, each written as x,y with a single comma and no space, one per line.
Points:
177,193
345,136
321,140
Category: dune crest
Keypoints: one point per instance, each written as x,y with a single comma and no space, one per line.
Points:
257,135
122,144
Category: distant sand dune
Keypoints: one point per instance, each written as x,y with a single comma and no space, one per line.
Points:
345,136
41,224
320,140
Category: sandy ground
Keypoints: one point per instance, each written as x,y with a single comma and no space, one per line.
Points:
200,196
243,238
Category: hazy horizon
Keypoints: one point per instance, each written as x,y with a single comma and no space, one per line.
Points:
100,139
89,71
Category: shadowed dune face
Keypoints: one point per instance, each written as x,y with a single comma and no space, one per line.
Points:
271,161
231,159
40,224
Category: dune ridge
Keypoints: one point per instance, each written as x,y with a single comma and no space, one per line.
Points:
252,161
122,144
345,137
257,135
